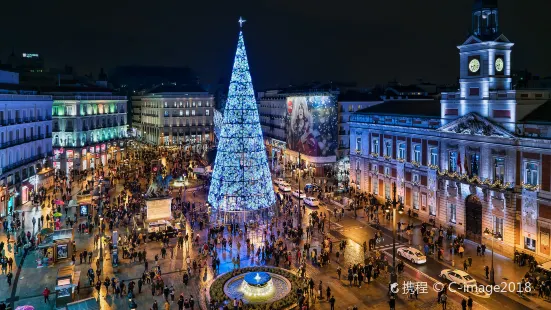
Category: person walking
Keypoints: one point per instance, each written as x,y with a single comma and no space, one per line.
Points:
392,303
470,303
46,295
444,301
464,304
332,302
487,272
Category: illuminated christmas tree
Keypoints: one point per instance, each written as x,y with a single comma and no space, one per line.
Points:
241,181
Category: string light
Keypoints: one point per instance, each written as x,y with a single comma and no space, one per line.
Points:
241,180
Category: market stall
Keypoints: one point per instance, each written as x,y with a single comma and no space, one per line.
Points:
54,246
66,282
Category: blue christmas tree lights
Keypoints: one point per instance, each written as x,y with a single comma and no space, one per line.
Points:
241,179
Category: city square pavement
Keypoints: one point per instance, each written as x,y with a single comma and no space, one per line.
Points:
29,281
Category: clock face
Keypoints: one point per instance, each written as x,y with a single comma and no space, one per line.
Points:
474,65
499,64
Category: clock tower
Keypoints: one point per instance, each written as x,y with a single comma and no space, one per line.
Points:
485,71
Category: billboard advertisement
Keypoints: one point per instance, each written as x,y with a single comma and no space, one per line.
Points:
312,125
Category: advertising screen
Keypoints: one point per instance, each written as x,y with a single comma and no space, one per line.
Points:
312,125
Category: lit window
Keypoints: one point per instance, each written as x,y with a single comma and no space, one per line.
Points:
416,200
452,215
498,225
181,112
358,144
193,104
388,148
375,146
375,185
387,190
417,153
499,169
402,150
199,103
452,163
207,112
187,112
434,156
531,173
192,112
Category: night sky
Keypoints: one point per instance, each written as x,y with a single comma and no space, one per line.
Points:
288,41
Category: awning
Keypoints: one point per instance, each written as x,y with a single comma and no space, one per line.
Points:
27,184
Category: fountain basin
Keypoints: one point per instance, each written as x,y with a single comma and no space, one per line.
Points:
257,287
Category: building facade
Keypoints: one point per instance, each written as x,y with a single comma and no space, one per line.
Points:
175,115
89,128
478,159
25,148
272,110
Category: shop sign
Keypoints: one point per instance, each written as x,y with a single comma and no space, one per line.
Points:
91,150
70,153
103,147
84,152
97,149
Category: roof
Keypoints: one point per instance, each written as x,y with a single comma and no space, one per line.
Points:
405,89
541,114
181,88
359,96
75,89
426,108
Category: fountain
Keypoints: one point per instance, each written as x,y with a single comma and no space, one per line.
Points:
257,285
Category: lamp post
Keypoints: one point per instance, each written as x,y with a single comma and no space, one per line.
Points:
393,206
494,235
101,239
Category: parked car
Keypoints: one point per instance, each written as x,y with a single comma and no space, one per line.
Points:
412,254
278,181
459,277
312,187
299,194
285,187
311,201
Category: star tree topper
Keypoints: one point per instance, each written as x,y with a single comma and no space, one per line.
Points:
241,21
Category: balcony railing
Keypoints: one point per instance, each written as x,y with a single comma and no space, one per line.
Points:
21,141
20,163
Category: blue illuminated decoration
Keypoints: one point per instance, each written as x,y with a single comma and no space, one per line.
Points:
241,180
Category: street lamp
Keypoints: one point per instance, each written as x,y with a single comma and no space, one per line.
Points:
393,206
494,235
101,239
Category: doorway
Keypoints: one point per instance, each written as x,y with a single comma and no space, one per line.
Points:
473,215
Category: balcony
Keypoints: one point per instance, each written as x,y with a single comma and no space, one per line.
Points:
21,141
20,163
11,121
18,120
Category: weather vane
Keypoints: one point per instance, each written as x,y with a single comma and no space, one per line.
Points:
241,21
